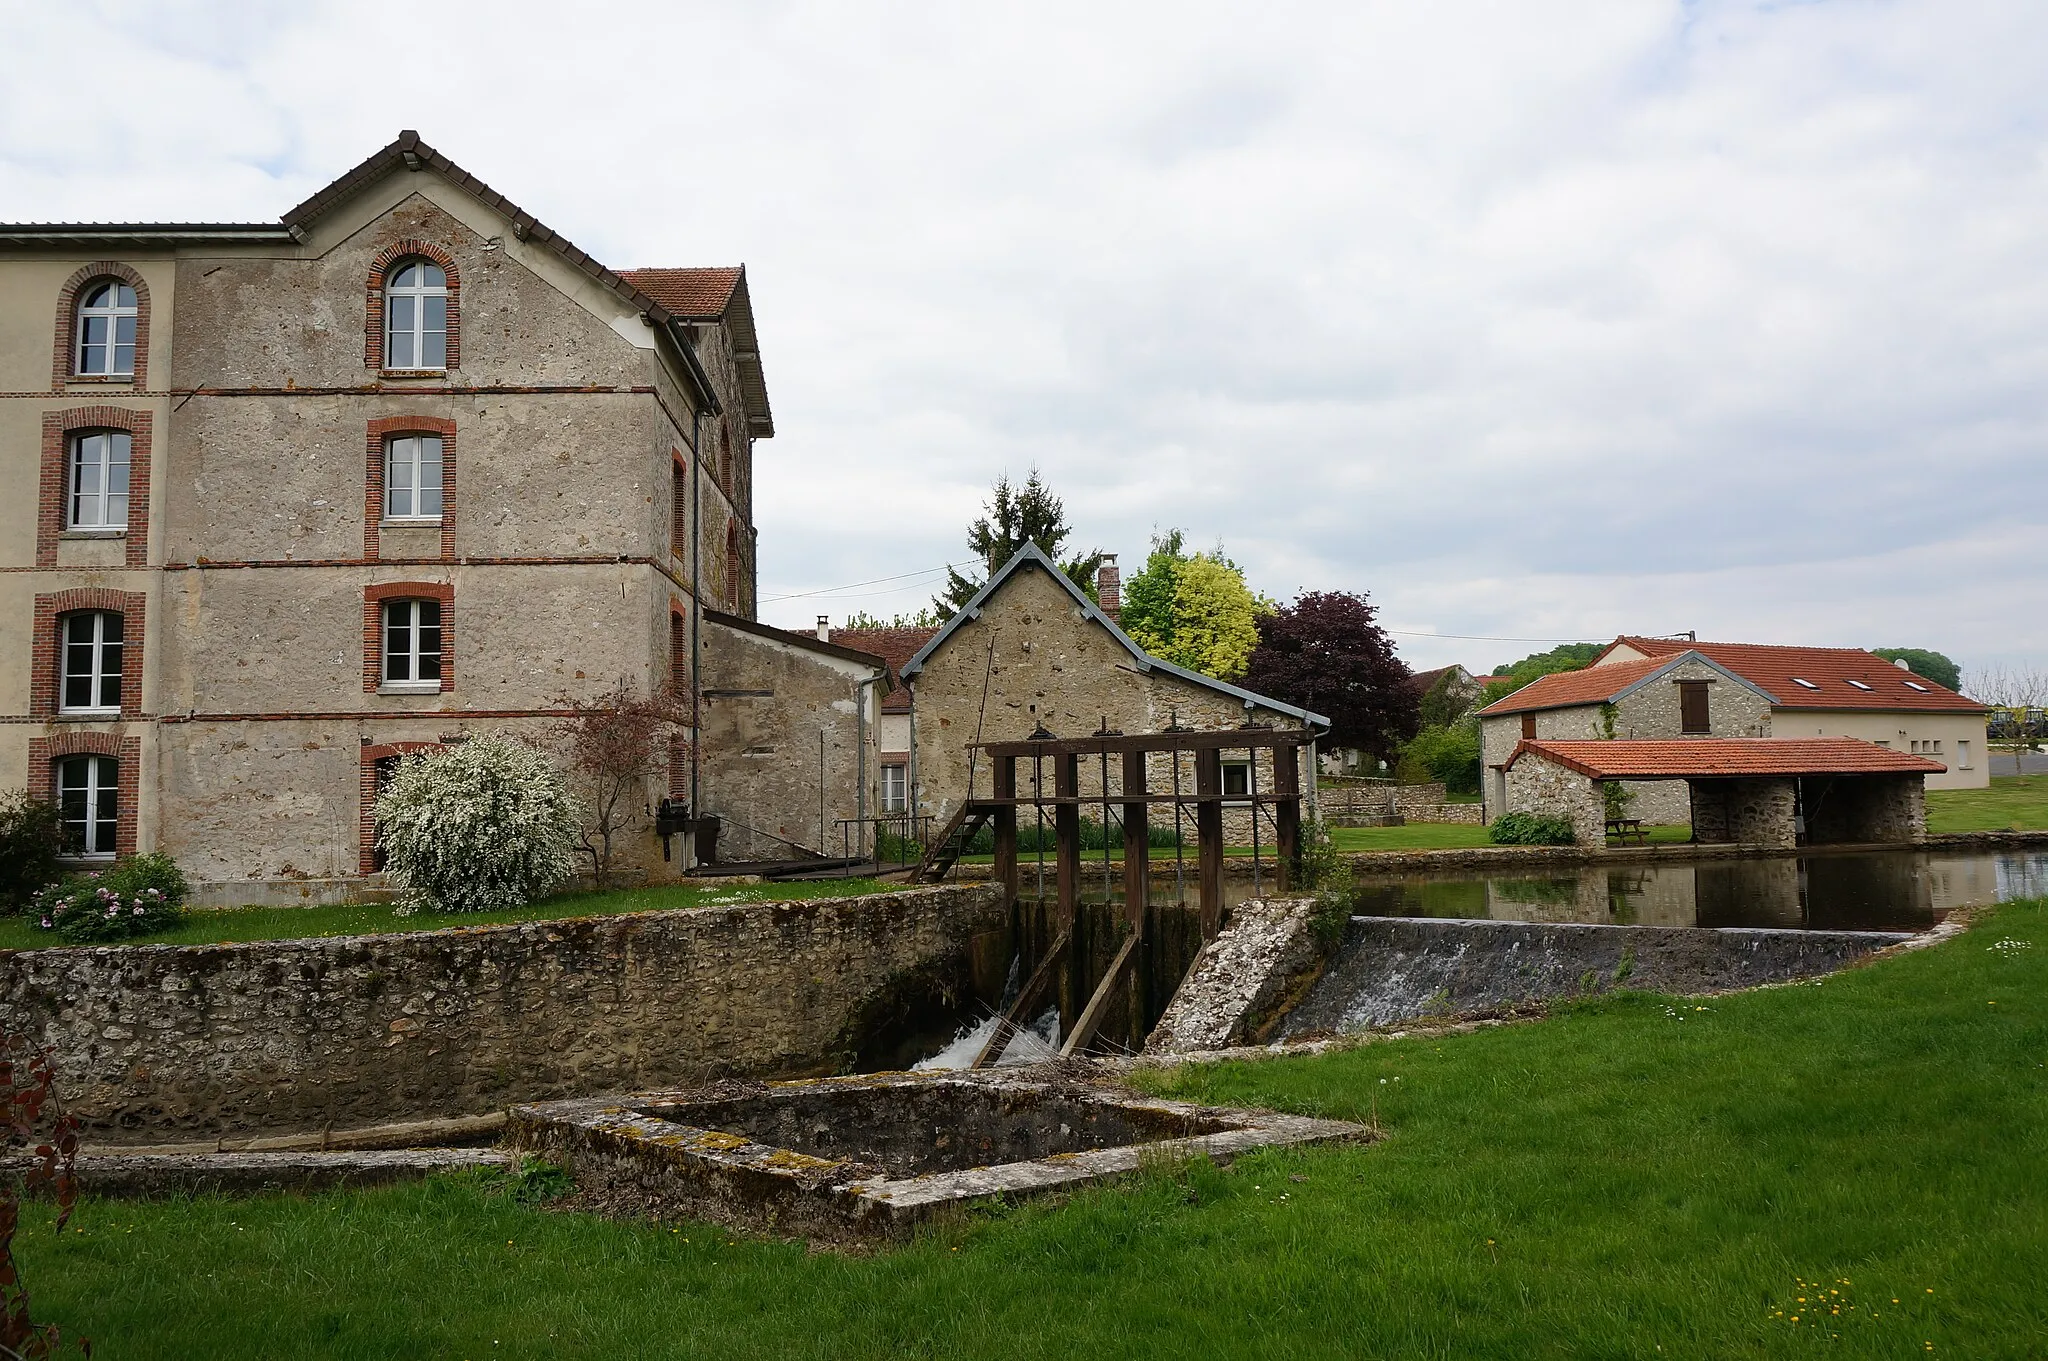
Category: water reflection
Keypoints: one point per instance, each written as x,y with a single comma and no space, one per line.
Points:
1867,890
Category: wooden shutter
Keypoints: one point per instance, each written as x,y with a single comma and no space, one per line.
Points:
1692,707
1529,725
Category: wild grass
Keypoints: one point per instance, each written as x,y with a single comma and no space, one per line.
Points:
2016,803
357,919
1637,1176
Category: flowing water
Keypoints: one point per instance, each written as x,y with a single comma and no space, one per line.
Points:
1856,890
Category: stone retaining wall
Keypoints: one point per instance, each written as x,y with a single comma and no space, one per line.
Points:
210,1041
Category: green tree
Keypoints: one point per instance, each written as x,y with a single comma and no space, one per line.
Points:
1925,664
926,618
1449,754
1193,610
1563,657
1017,516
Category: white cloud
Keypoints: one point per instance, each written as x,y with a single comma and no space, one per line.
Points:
1531,319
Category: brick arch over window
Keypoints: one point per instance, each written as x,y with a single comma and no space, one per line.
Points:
45,649
366,827
64,363
58,426
45,752
383,429
380,268
373,627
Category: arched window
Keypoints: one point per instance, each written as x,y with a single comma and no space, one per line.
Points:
106,330
91,663
732,565
416,316
98,480
88,801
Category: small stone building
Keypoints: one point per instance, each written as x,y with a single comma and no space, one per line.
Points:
1032,653
791,740
1752,791
1661,689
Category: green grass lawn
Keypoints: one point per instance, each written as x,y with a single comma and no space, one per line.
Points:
1419,836
2017,803
295,923
1634,1177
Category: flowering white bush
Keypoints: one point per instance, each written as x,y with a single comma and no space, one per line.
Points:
485,825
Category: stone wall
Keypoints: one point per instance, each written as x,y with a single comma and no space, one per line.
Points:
767,702
1750,812
158,1043
1864,808
1534,785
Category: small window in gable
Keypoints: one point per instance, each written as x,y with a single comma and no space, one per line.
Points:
416,316
106,330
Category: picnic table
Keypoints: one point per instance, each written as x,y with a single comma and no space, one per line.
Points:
1626,830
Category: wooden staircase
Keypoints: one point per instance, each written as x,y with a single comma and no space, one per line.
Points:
950,844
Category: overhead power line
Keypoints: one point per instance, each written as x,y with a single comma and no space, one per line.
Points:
851,585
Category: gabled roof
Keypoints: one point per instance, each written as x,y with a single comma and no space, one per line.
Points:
1709,757
806,641
1031,557
717,295
408,152
1814,677
895,646
1603,684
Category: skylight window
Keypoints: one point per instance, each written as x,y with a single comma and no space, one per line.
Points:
1859,685
1916,685
1800,680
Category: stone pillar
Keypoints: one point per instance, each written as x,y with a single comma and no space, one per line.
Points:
1760,811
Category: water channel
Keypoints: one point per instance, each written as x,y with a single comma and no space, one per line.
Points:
1901,890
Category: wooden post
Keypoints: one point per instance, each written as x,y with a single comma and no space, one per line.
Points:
1209,836
1066,818
1287,815
1004,780
1137,843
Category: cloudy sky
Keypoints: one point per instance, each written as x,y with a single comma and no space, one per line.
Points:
1537,321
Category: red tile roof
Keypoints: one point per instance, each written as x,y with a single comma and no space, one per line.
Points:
1564,689
1703,757
1828,671
895,646
687,292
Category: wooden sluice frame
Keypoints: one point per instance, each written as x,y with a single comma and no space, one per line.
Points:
1133,801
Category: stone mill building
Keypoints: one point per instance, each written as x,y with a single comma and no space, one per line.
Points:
288,499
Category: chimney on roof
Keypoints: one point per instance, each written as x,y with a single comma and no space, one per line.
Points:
824,628
1109,588
1901,664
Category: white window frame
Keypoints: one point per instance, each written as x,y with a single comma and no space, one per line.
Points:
100,826
409,452
102,655
414,333
1963,753
1243,796
112,314
92,510
895,787
411,657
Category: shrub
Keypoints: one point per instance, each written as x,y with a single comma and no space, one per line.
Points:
31,838
1447,754
1531,829
486,825
140,896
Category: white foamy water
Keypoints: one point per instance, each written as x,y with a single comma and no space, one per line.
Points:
1038,1040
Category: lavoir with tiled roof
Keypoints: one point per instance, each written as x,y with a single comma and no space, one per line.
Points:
1679,689
289,499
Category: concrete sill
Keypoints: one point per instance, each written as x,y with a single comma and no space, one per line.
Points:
87,716
425,688
116,532
423,522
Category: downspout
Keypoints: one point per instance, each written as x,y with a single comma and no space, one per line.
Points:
696,625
